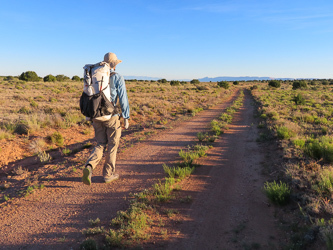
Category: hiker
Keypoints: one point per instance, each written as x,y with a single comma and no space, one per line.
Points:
108,129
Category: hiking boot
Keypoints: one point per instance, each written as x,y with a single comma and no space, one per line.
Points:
111,178
87,172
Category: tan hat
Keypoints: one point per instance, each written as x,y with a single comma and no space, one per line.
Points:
111,59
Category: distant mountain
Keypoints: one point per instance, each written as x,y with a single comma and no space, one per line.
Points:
239,78
142,78
217,79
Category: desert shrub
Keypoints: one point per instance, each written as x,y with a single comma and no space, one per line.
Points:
174,83
162,191
44,157
226,118
325,183
76,78
194,81
162,80
49,78
254,87
278,193
299,143
325,82
201,136
24,110
62,78
57,138
202,87
200,150
33,104
284,133
215,127
235,83
273,115
274,84
188,157
299,99
9,78
21,129
309,119
88,244
223,84
30,76
178,172
299,84
321,148
5,134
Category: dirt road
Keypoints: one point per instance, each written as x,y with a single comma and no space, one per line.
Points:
231,211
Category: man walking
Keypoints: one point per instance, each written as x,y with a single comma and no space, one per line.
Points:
108,132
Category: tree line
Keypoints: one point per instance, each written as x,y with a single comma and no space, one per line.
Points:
31,76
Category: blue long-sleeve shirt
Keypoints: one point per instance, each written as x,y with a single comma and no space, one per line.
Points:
119,93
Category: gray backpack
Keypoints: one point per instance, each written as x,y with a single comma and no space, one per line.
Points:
95,101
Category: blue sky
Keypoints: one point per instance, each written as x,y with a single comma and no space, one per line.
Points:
171,39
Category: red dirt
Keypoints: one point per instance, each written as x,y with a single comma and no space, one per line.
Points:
230,210
226,191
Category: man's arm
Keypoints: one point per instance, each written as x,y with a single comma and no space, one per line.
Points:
122,95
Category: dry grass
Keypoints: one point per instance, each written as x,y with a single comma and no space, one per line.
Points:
304,130
55,104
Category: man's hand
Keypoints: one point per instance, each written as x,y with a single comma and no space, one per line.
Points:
126,123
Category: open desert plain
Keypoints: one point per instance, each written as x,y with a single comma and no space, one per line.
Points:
215,165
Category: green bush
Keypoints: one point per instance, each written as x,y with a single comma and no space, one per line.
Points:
299,99
325,183
62,78
163,80
226,118
309,119
49,78
188,157
235,83
215,127
57,138
223,84
194,81
299,84
284,133
9,78
88,244
174,83
321,148
299,143
30,76
76,78
22,129
277,193
201,136
274,83
178,172
162,191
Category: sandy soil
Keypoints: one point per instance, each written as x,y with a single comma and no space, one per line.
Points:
229,210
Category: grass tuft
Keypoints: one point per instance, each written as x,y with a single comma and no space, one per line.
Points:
278,193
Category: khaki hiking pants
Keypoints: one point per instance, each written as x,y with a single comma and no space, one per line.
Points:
106,133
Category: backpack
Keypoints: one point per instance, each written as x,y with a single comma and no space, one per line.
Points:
95,101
